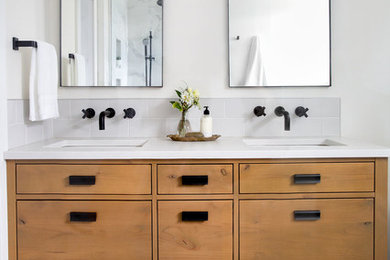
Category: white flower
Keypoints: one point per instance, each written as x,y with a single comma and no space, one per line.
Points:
186,98
189,90
196,93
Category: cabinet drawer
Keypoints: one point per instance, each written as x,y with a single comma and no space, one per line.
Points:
64,230
307,229
194,230
307,177
84,179
195,179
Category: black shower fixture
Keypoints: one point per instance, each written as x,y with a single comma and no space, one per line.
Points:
160,2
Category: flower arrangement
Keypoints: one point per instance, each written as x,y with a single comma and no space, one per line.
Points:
188,98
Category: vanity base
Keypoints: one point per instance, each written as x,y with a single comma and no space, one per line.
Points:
198,209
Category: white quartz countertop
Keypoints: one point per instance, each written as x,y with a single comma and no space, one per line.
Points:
224,148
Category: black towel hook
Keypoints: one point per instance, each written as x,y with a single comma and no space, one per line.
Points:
16,44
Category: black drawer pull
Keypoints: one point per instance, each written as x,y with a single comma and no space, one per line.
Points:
83,216
194,216
307,178
82,180
193,180
307,215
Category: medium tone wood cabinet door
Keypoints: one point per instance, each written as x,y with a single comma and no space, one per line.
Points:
307,177
195,179
83,179
324,229
81,230
194,230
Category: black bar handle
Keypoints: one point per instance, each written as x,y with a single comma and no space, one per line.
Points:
307,178
83,216
193,180
307,215
16,44
194,216
82,180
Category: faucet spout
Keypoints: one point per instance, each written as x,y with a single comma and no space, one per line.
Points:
280,111
109,113
287,121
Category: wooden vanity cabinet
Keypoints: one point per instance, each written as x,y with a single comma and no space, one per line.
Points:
83,179
195,230
321,229
198,209
80,230
195,179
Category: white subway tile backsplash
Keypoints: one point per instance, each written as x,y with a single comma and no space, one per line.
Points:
16,135
157,118
76,107
232,127
64,109
323,107
11,109
34,132
264,126
216,107
331,126
161,108
242,107
306,126
114,127
140,106
148,127
48,129
72,128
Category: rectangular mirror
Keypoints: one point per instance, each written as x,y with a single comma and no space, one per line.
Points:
279,43
111,43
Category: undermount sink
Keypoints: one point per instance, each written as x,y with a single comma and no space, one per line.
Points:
99,143
296,142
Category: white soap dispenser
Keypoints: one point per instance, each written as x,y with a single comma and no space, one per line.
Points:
206,123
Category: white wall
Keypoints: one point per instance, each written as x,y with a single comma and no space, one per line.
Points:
3,136
195,50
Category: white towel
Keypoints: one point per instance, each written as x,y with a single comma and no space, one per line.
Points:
69,66
255,71
79,70
43,82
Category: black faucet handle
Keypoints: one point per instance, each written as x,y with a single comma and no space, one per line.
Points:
280,111
88,113
259,111
129,113
301,111
110,112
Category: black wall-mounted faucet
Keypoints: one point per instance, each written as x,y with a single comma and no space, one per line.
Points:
259,111
129,113
280,111
109,113
301,111
88,113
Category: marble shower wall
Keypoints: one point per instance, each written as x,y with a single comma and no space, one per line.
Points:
144,16
120,41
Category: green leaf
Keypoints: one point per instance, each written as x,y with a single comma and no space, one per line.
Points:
172,102
178,93
177,105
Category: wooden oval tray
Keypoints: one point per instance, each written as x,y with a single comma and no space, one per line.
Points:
193,137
